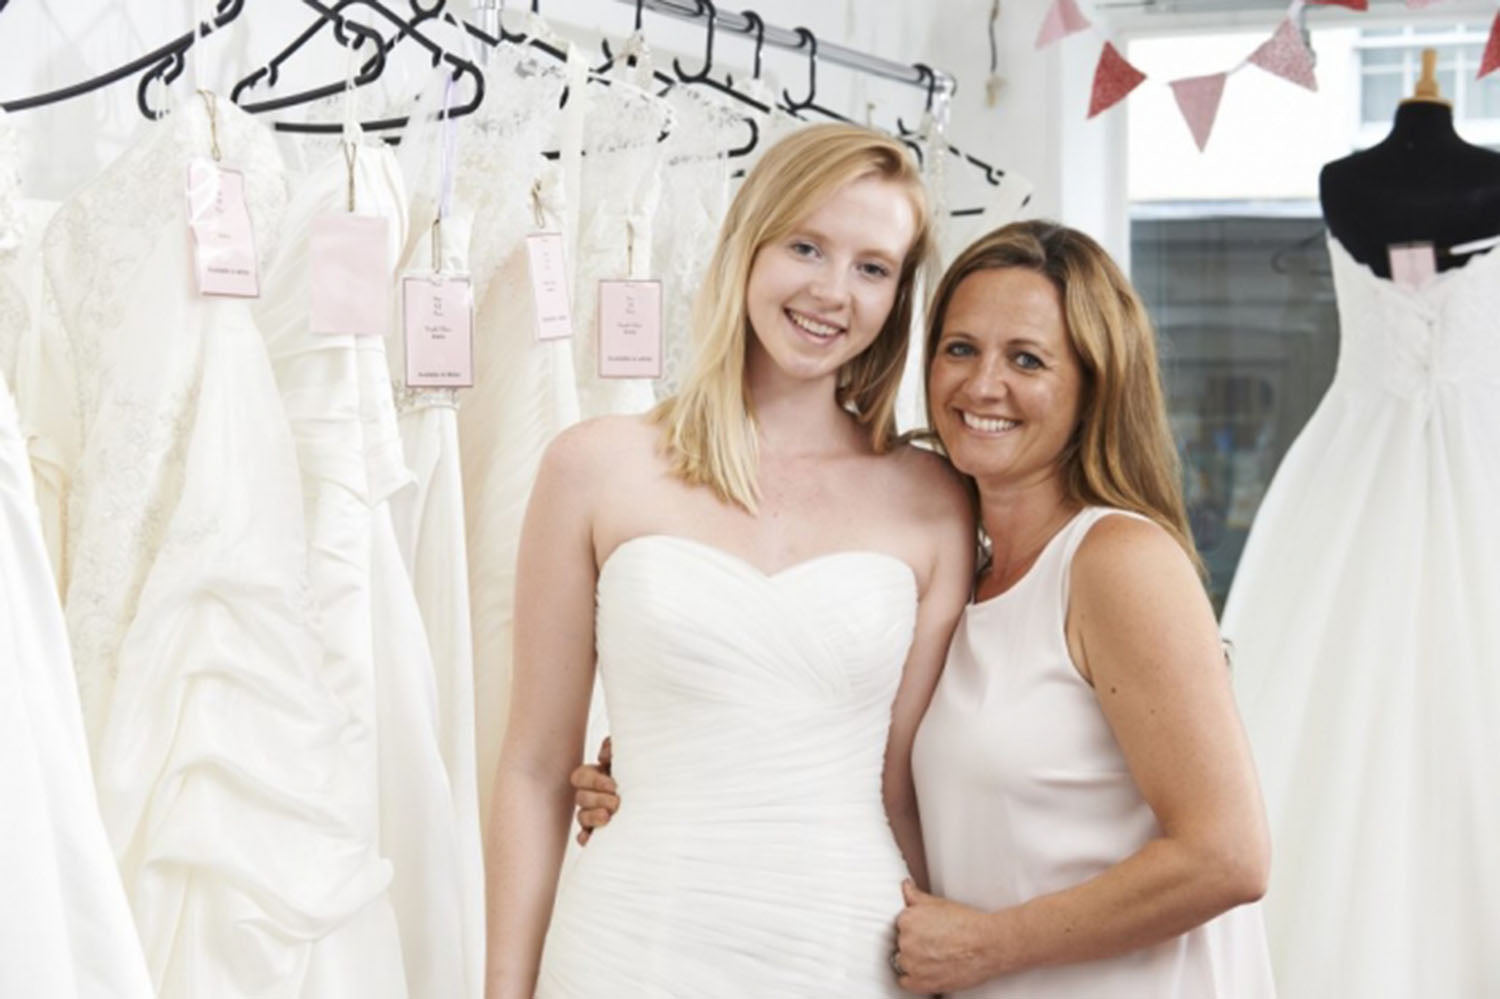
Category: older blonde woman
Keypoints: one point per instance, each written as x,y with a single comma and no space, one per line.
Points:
768,581
1092,821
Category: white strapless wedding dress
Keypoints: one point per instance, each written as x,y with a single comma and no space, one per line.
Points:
749,714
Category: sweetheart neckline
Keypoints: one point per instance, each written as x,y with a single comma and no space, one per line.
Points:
751,567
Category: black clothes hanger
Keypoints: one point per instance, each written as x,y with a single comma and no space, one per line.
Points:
759,25
808,40
992,175
710,15
342,26
270,72
704,76
166,59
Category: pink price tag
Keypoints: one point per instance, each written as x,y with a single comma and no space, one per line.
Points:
219,225
549,286
1413,265
351,275
630,329
438,317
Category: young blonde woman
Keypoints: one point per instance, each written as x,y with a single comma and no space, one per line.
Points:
768,583
1092,822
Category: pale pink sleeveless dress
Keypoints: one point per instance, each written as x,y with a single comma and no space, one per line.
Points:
1023,791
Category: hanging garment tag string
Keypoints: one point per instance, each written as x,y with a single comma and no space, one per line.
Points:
538,216
210,106
446,150
351,156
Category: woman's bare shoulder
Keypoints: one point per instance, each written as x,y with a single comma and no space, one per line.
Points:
602,441
927,483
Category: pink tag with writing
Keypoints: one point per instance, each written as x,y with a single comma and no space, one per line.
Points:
630,329
438,317
549,286
351,275
1413,265
222,237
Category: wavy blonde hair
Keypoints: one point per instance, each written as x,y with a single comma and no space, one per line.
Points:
708,427
1121,454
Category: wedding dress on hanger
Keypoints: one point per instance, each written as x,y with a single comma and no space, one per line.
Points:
428,513
686,228
621,181
65,926
225,782
1364,623
337,393
524,390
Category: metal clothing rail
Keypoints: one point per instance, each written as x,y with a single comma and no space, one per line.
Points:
687,10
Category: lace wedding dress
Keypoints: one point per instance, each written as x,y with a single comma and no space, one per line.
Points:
1363,619
688,216
233,805
65,926
750,714
621,183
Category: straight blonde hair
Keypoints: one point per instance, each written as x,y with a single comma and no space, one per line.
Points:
1121,454
708,427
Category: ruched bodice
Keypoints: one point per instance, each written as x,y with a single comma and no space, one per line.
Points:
1406,341
749,713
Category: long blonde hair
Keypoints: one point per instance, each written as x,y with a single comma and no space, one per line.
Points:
708,427
1121,454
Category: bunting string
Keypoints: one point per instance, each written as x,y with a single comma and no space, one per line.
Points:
1284,54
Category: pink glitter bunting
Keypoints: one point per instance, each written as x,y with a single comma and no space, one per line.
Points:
1198,99
1113,79
1351,4
1491,59
1284,55
1063,19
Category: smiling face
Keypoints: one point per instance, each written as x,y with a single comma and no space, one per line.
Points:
819,296
1005,384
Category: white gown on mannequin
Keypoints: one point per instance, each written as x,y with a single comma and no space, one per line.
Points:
219,755
750,715
337,394
1365,629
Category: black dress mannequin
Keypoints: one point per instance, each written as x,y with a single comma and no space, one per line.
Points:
1421,183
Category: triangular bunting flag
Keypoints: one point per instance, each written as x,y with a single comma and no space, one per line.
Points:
1284,55
1351,4
1198,99
1063,19
1491,51
1113,79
